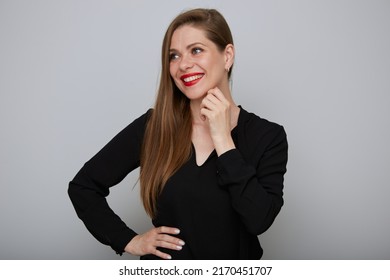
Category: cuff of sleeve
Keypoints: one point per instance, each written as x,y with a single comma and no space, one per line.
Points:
226,158
231,168
121,240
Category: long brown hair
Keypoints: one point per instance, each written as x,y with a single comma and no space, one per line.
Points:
167,141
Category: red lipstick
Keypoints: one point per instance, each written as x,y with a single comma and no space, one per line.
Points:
191,79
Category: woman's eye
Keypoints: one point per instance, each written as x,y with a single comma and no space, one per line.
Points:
173,56
196,50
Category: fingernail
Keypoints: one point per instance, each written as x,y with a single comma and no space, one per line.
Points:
179,247
181,243
169,257
177,231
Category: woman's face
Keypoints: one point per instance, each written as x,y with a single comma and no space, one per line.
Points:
196,64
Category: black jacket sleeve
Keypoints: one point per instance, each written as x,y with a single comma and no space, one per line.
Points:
90,187
254,172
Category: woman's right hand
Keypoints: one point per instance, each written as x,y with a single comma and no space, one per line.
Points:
147,243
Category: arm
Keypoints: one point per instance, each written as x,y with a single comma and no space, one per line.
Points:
253,173
255,180
90,187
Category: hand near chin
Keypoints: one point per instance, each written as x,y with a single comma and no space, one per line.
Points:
215,109
147,243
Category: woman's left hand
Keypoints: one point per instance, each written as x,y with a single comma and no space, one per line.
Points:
215,108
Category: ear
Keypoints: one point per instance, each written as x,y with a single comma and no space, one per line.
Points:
229,56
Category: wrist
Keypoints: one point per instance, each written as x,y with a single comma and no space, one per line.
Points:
130,247
222,146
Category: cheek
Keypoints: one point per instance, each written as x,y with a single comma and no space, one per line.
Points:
214,65
173,70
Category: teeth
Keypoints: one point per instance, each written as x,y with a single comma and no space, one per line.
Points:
193,78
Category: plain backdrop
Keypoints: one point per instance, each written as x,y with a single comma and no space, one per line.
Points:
74,73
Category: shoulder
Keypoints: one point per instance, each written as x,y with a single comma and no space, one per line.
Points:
255,126
140,122
255,132
134,130
144,117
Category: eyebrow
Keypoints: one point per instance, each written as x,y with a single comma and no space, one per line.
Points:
189,46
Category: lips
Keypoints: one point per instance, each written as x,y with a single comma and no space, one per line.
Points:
191,78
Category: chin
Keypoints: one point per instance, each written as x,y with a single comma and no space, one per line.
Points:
195,94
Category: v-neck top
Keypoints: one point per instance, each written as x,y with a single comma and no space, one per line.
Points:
220,206
193,153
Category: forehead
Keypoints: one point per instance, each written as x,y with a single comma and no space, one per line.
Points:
186,35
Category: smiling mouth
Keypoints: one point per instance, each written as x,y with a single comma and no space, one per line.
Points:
191,79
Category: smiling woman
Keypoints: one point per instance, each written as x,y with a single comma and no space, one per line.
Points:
211,172
196,60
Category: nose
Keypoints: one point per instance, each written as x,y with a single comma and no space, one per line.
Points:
186,63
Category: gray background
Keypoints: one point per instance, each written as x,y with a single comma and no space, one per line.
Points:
74,73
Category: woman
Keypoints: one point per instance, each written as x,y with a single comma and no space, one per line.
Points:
211,173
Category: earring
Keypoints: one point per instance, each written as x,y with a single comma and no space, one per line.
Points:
227,69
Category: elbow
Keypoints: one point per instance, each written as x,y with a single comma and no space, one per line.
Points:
257,228
76,198
72,193
263,220
72,190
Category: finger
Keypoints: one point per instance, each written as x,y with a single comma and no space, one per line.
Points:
210,103
168,245
161,254
217,93
212,97
215,100
205,109
169,230
205,113
170,239
211,111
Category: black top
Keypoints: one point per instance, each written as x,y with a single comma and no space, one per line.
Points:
220,207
